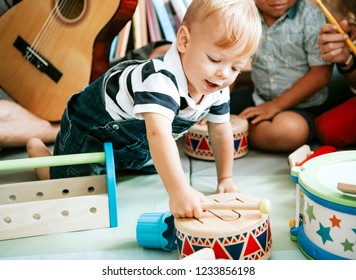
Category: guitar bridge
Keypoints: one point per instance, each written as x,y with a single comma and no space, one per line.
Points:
36,59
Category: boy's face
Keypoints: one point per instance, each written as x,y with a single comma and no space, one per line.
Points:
274,9
207,67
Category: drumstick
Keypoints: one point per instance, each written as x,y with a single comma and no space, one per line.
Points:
263,205
332,20
346,188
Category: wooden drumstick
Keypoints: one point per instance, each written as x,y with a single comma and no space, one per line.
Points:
332,20
263,205
346,188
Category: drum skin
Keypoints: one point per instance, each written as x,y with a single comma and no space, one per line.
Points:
232,234
197,140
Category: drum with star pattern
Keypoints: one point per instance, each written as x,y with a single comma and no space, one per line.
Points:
328,228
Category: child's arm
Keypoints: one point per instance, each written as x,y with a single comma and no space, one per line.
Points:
184,201
311,82
222,143
317,78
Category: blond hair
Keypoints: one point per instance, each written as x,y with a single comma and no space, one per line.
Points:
239,21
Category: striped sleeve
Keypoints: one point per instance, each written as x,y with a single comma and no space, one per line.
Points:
220,111
155,91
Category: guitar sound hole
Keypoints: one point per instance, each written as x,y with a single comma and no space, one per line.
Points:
71,10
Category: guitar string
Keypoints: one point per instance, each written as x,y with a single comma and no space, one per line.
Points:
39,38
50,28
64,8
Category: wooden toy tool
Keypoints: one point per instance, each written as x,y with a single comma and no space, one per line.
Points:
59,205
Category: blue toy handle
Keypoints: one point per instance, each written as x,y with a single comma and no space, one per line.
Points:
111,183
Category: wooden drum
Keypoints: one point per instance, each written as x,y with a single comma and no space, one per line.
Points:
232,234
328,228
197,140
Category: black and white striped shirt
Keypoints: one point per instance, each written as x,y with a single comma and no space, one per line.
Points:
159,86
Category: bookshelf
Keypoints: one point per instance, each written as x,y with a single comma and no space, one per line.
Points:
153,20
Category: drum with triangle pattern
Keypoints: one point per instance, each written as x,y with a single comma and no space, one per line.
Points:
197,143
232,234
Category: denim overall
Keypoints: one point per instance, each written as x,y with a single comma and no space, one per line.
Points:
86,125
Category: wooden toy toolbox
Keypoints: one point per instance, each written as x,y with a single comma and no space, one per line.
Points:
59,205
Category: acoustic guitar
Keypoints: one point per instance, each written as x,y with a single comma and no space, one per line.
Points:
50,49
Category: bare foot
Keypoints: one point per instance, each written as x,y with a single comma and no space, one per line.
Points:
36,148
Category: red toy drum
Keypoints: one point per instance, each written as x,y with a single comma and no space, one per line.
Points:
232,234
197,140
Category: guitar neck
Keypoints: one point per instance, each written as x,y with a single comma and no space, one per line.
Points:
104,39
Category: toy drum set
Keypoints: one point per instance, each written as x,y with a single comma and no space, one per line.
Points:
328,228
58,205
197,140
232,234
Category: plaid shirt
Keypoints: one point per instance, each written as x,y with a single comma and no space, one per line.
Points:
288,50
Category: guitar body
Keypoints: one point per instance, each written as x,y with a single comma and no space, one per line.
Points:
46,50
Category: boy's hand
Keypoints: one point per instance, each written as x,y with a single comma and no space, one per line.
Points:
265,111
227,186
332,43
186,204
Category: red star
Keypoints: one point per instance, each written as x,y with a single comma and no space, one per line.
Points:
335,222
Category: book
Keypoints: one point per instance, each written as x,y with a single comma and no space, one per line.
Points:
175,22
164,20
113,48
180,8
154,30
123,39
139,22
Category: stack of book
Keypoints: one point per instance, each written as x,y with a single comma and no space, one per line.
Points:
153,20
